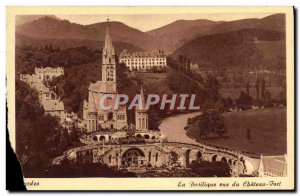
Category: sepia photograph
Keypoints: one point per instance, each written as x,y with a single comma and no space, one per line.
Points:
139,93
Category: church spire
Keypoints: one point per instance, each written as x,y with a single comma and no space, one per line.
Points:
109,62
108,53
142,101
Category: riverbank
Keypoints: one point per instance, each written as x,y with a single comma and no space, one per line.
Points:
173,128
268,131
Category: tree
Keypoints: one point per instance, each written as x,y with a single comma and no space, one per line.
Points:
267,99
229,103
257,89
173,157
263,88
248,134
211,122
244,102
281,98
74,134
37,134
247,88
211,87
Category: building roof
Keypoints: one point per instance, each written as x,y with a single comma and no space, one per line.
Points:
275,164
151,54
53,105
41,87
49,69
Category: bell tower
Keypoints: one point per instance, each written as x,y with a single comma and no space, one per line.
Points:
109,63
141,113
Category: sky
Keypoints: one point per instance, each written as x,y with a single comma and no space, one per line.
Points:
148,22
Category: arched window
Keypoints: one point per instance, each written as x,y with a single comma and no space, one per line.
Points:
110,116
143,123
149,156
146,123
140,123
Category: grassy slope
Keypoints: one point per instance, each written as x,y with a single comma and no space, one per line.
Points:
268,130
153,81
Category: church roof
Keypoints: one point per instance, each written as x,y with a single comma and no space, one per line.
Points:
99,86
40,87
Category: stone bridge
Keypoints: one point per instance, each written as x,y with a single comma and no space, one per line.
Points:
157,154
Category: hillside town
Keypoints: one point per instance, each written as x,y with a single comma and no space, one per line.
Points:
47,97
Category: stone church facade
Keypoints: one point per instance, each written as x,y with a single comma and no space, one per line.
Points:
95,118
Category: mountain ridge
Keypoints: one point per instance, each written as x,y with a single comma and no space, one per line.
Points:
168,38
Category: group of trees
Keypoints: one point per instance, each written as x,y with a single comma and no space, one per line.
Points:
29,57
262,98
211,123
203,168
154,69
183,65
39,137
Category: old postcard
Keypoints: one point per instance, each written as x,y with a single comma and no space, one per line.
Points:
152,98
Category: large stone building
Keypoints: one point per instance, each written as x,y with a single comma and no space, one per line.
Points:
49,73
144,61
96,118
110,125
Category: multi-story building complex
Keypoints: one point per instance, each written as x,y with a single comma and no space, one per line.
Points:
144,61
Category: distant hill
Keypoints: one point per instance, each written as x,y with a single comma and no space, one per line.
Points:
169,38
236,49
123,33
174,35
22,19
274,22
22,40
50,28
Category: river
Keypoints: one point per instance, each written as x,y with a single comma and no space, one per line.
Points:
173,128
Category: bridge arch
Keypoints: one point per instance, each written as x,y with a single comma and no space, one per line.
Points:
146,136
199,156
188,157
223,159
95,138
102,138
214,158
133,157
139,135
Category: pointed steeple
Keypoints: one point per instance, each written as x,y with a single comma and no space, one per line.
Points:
109,62
142,101
108,53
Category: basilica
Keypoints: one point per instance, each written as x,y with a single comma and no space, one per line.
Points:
95,118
